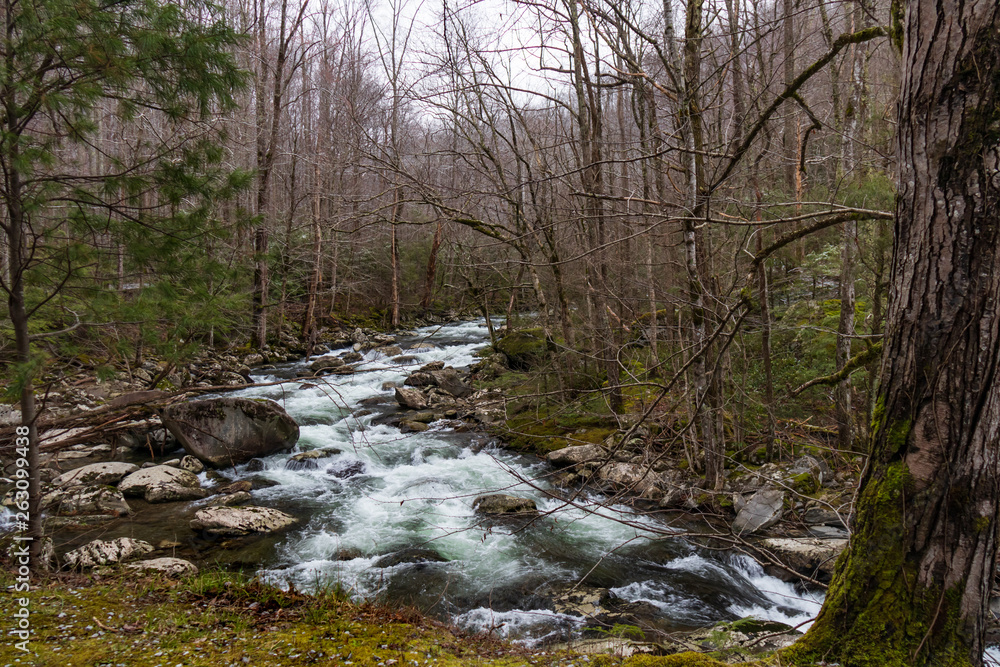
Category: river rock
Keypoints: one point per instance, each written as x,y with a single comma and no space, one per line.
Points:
432,366
191,464
171,567
352,357
99,552
422,346
501,503
410,426
576,455
737,639
410,555
810,556
231,499
96,473
404,359
85,500
410,398
389,350
307,460
637,479
419,379
449,381
171,493
761,511
346,469
326,363
137,483
236,487
224,432
524,349
818,516
237,521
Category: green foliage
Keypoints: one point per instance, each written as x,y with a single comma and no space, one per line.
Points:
148,213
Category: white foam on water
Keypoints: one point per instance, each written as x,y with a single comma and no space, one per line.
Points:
417,490
791,606
528,627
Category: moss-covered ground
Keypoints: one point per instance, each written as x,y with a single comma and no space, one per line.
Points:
221,619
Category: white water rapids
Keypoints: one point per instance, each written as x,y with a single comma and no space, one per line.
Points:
387,491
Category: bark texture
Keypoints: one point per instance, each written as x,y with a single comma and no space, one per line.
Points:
912,588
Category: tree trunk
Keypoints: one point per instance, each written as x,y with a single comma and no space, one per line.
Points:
845,332
913,586
425,303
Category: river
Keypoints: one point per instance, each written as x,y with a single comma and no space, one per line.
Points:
386,492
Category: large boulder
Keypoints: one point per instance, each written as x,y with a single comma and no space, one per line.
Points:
502,504
238,521
635,478
763,510
171,567
224,432
524,349
325,364
85,500
99,552
136,484
412,399
96,473
448,379
808,556
576,455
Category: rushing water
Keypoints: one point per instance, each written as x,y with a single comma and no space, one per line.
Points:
387,491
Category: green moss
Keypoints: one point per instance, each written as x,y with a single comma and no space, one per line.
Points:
688,659
876,612
804,483
524,349
221,619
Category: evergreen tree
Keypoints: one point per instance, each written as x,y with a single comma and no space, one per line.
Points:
65,67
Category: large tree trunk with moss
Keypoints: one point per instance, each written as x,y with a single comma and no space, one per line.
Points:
913,586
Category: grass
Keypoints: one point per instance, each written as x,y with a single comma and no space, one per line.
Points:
219,619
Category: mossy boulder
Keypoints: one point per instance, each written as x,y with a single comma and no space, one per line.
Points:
224,432
524,349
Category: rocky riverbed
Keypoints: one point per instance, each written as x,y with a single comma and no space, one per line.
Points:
392,423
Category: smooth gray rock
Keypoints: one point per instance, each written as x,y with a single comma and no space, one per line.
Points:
575,455
85,500
237,521
171,567
191,464
232,499
96,473
135,485
99,552
811,556
172,493
761,511
224,432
